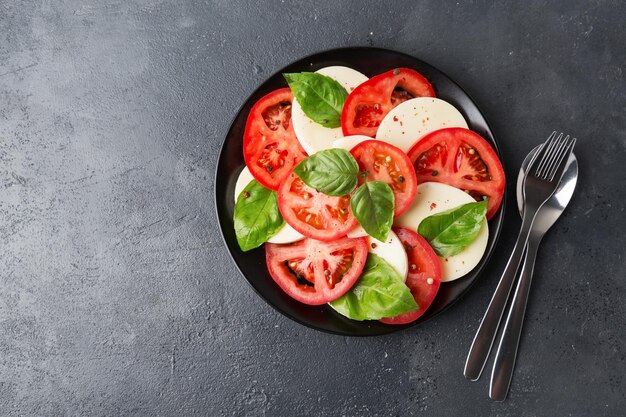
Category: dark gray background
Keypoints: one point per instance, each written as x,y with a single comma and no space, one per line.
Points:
117,296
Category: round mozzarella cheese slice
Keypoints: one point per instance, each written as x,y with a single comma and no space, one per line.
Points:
405,124
391,251
433,198
285,235
349,142
242,181
312,136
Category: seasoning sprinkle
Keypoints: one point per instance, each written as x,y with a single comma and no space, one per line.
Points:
401,178
376,106
374,245
246,194
435,172
269,168
396,72
413,267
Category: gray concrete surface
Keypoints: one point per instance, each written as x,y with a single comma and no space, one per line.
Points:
117,296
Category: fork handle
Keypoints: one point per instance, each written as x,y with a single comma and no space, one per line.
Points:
507,349
481,346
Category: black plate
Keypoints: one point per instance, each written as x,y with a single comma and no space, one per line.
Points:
369,61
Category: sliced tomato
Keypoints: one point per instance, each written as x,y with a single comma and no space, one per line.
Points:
380,161
270,146
463,159
315,272
369,103
312,213
424,278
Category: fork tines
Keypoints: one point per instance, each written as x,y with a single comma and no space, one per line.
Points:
553,152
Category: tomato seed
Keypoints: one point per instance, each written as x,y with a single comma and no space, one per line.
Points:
413,267
401,178
277,122
430,281
327,272
307,196
376,106
269,168
472,151
387,159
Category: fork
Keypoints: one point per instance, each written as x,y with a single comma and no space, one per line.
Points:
543,176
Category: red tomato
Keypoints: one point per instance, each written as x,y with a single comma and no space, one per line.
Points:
315,272
370,102
424,276
270,146
462,159
380,161
312,213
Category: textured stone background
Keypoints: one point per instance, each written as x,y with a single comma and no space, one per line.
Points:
117,296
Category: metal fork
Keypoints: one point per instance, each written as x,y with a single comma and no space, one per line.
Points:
543,175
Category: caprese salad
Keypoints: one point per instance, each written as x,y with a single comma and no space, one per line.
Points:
366,193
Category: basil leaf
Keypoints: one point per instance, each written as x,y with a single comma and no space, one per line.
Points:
372,205
379,292
332,172
451,231
320,97
256,216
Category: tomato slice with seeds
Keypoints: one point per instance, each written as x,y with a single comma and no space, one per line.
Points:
312,213
315,272
463,159
369,103
270,146
381,161
424,278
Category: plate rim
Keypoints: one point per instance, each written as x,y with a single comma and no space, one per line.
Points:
390,328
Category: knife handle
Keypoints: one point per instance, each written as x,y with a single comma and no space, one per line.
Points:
486,334
506,354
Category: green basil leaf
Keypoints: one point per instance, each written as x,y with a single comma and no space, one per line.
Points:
256,216
451,231
332,172
320,97
372,205
379,292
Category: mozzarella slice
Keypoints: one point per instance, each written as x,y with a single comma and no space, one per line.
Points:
285,235
312,136
349,142
391,251
433,198
242,181
405,124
